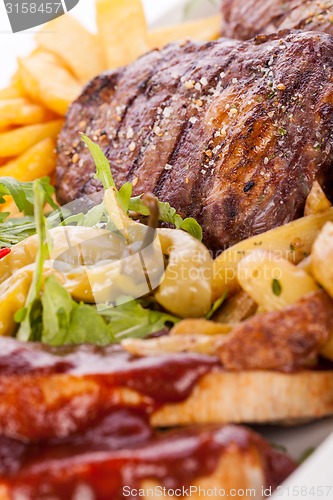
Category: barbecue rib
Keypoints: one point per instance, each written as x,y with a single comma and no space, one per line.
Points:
231,133
245,19
52,392
117,456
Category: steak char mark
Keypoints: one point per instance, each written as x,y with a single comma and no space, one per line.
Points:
231,133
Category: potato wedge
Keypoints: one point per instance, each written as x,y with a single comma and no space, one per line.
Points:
20,111
202,30
17,141
48,82
201,344
272,281
292,241
79,49
317,200
40,160
322,258
200,327
123,30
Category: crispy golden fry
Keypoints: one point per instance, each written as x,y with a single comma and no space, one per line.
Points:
20,111
200,326
15,142
38,161
123,30
79,49
317,200
201,30
236,308
10,93
272,281
292,241
48,82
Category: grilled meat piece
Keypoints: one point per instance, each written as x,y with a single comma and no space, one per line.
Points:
245,19
100,463
284,340
231,133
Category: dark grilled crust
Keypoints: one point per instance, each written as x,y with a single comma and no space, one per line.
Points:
252,177
244,20
285,340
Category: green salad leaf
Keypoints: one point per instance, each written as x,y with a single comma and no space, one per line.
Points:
64,321
135,204
29,316
131,320
12,231
23,193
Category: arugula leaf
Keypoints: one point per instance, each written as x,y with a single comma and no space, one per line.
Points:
103,170
23,193
169,215
57,309
217,304
66,322
131,320
135,204
30,328
15,230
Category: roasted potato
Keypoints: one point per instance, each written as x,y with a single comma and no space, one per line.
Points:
292,241
272,281
317,200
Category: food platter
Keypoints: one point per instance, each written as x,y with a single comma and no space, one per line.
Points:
309,441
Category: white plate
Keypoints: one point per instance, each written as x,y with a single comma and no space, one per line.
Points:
317,470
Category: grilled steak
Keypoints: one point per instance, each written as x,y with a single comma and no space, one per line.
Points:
245,19
231,133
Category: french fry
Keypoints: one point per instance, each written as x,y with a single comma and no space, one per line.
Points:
20,112
292,241
202,30
272,281
48,82
317,200
79,49
10,93
17,141
39,161
201,327
123,30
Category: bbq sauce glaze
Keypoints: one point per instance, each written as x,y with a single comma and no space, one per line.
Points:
123,450
115,446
